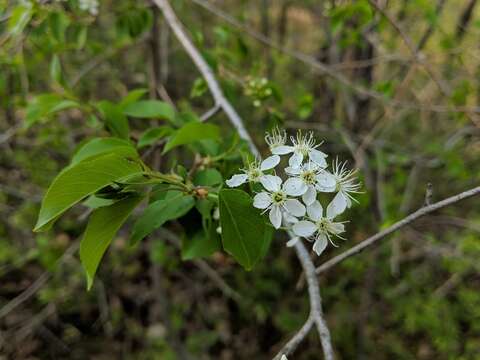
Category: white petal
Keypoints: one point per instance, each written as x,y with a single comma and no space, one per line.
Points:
291,243
262,200
315,211
270,162
295,187
313,166
349,202
295,160
326,189
271,182
318,157
295,207
236,180
281,150
310,196
304,228
320,244
337,206
326,180
275,216
289,220
337,228
293,171
283,356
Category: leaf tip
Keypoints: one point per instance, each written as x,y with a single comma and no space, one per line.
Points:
89,282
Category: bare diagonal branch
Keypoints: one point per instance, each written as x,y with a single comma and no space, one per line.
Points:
206,72
398,225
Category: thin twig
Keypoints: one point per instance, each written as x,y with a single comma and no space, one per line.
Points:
295,341
315,300
417,56
316,313
398,225
209,113
206,72
330,70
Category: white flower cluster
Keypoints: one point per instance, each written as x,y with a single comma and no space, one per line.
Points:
306,177
89,5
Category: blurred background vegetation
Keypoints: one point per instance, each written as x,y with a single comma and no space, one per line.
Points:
397,93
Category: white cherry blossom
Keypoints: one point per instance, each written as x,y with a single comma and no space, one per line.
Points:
277,201
304,178
254,171
276,142
307,179
319,228
304,146
345,184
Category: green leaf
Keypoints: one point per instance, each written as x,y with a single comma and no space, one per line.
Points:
77,182
199,88
104,145
152,135
200,245
56,69
44,105
245,233
94,202
208,177
133,96
192,132
305,106
150,109
19,18
114,118
58,23
102,227
174,205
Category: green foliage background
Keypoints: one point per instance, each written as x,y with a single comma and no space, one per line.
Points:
67,76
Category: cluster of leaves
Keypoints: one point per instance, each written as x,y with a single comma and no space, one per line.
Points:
109,176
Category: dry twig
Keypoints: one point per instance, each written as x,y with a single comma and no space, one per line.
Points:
206,72
398,225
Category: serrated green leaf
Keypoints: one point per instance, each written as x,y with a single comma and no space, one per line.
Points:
150,109
245,233
192,132
79,181
174,205
99,146
102,227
